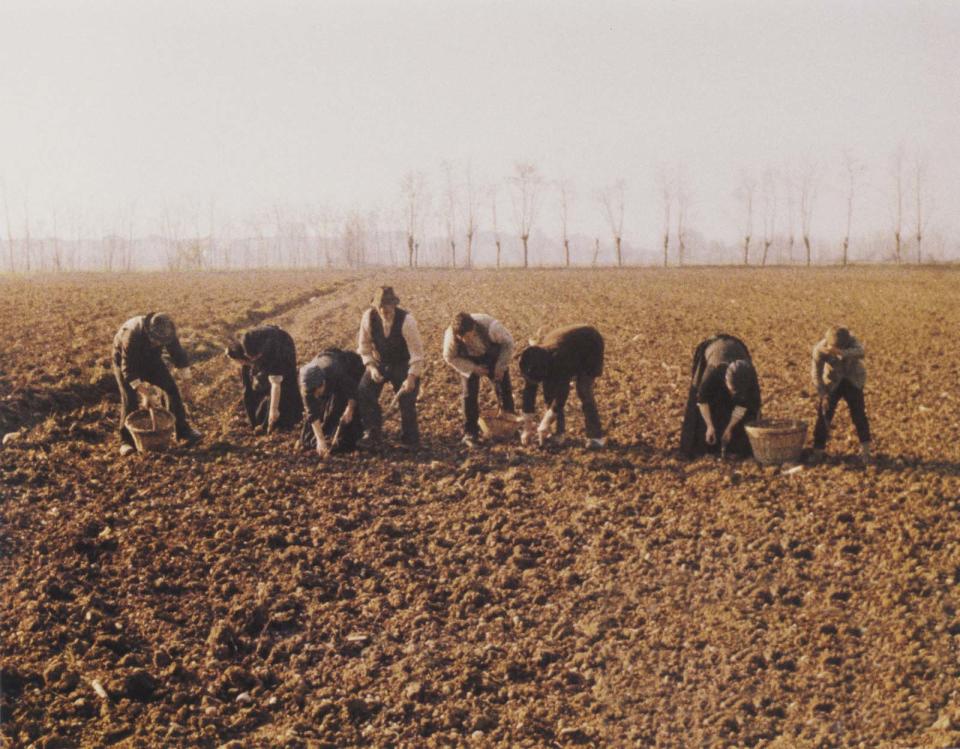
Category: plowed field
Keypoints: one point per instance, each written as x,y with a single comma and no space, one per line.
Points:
241,594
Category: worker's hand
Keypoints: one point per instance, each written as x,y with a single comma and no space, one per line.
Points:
323,449
272,421
711,435
543,436
347,415
727,436
529,429
408,385
143,388
375,374
499,373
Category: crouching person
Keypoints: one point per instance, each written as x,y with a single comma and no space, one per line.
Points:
328,386
138,363
391,349
724,396
838,373
271,396
478,346
572,353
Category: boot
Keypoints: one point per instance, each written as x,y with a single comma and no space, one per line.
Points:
866,457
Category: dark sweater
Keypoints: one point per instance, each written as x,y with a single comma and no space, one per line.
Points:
574,351
135,354
341,372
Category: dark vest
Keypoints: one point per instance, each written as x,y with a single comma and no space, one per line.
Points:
392,349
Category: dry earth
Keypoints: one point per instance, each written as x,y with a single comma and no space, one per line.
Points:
239,594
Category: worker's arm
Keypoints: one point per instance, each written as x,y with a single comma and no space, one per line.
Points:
322,449
276,382
708,420
735,418
501,336
463,366
411,334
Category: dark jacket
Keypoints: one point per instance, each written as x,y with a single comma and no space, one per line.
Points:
341,371
276,354
574,351
135,354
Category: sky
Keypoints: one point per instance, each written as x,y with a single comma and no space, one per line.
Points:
137,107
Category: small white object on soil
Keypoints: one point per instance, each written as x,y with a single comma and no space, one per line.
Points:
10,437
98,688
791,470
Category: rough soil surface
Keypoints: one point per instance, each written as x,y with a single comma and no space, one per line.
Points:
241,594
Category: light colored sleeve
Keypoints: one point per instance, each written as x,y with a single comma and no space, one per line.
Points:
411,334
500,335
463,366
365,340
816,367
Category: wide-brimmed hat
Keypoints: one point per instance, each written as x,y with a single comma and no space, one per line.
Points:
838,337
161,329
385,295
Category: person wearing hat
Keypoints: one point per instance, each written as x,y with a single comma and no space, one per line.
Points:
838,373
477,345
390,347
138,363
329,388
268,371
565,354
724,396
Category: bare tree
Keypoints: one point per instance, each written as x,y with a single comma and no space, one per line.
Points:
853,169
790,191
496,227
612,199
769,213
450,213
413,192
27,245
683,209
746,192
896,171
57,248
11,252
808,192
919,179
354,239
596,252
666,197
526,183
470,198
566,198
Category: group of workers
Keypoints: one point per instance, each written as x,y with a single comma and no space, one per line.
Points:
336,396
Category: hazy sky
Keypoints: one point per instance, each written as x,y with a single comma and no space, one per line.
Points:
168,103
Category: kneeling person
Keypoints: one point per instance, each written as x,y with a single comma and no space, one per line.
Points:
138,363
477,345
328,386
271,396
572,353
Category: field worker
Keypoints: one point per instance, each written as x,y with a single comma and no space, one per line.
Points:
838,372
477,345
138,363
724,396
328,386
271,396
565,354
391,349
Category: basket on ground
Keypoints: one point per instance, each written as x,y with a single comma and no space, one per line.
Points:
152,429
496,426
776,441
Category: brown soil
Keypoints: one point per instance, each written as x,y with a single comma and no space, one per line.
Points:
241,594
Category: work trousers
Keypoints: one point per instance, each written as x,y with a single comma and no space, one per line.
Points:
556,393
471,400
858,413
372,415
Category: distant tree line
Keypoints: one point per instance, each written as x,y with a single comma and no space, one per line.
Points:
448,226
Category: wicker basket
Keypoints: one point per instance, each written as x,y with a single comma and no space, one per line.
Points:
152,429
498,426
776,441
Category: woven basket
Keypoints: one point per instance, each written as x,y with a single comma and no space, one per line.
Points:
498,427
776,441
152,429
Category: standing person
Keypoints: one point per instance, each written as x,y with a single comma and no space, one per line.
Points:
838,372
271,397
724,396
477,345
328,386
390,347
138,362
575,352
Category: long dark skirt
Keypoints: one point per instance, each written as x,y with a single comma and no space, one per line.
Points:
349,434
693,433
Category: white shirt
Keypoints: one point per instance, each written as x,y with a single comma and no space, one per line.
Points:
496,331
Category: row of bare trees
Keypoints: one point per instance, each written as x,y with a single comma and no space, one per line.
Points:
781,201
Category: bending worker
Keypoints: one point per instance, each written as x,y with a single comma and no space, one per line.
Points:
138,363
477,345
328,386
724,396
390,347
271,397
574,352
